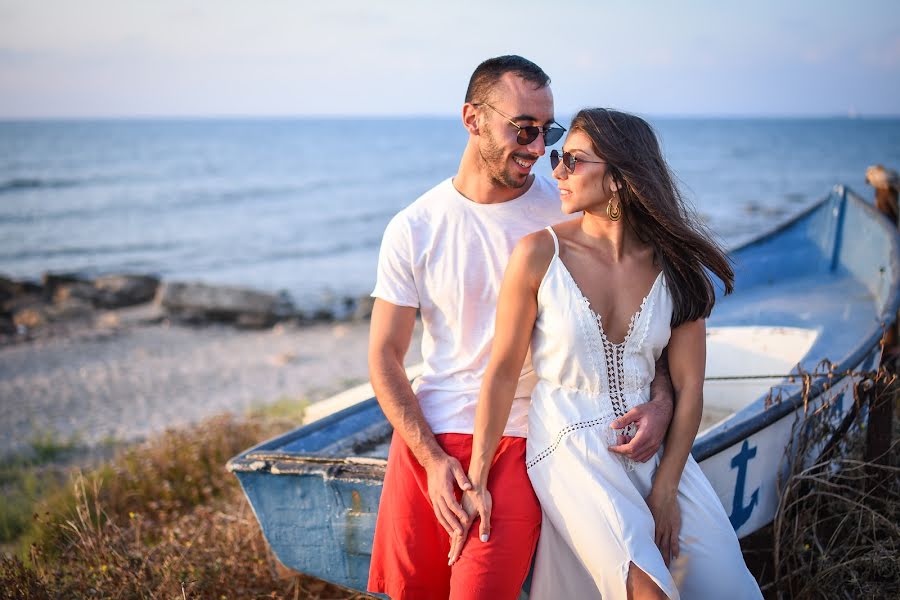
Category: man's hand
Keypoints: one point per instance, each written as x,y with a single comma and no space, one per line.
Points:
478,504
444,474
652,420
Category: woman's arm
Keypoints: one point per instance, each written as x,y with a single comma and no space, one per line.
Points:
516,314
687,367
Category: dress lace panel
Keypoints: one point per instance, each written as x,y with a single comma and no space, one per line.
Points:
613,377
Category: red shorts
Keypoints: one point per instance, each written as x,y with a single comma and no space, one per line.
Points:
409,555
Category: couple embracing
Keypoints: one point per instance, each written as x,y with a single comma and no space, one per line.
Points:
599,285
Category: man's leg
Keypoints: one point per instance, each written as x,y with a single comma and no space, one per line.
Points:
495,570
409,554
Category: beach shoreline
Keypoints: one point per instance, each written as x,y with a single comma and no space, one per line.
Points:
128,375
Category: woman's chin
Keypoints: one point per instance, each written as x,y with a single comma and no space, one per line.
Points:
570,208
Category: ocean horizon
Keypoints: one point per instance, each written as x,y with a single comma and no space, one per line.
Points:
299,204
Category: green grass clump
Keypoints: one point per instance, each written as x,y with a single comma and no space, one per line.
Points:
47,447
284,409
29,475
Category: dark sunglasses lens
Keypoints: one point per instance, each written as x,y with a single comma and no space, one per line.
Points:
554,159
569,161
527,135
552,135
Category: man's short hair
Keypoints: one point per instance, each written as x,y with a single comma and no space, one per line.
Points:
490,71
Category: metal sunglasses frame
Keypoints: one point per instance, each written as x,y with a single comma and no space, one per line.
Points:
540,130
565,158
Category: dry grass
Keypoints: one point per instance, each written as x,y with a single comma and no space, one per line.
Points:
836,533
161,520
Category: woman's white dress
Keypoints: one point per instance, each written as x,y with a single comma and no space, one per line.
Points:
595,519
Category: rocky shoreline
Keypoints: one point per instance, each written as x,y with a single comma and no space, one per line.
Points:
60,301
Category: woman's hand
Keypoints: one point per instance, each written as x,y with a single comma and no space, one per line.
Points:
667,516
477,503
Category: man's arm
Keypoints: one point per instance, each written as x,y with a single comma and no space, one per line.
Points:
652,418
389,337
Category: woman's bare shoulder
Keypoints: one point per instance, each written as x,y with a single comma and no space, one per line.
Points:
533,254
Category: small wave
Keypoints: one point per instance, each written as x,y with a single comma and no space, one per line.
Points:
26,183
53,216
363,217
331,250
45,253
214,262
204,198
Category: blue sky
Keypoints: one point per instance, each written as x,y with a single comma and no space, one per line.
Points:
120,58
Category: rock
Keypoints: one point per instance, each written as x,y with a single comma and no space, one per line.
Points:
109,320
323,314
284,358
7,326
70,308
140,314
115,291
254,321
52,281
222,303
9,289
22,302
188,316
284,305
78,290
363,308
30,317
19,294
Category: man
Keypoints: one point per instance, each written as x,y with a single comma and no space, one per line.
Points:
445,255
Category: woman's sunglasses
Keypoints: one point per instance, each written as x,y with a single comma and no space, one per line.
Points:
569,160
529,133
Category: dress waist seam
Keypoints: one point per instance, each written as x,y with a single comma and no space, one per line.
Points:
593,394
603,420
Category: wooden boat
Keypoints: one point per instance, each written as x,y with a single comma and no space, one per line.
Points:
820,287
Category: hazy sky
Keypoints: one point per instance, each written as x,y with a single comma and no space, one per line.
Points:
402,57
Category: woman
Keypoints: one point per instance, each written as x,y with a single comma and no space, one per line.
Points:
598,299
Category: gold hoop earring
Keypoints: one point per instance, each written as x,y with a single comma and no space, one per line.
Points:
613,212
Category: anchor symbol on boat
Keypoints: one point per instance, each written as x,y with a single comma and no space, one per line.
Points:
740,513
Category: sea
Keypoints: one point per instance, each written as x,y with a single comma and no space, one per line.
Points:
299,205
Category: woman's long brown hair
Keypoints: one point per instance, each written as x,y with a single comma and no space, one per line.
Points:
654,208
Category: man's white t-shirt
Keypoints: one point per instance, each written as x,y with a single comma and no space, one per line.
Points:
446,255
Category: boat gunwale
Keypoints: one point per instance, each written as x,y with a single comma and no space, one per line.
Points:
717,441
267,449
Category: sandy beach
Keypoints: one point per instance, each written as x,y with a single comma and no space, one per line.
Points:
124,378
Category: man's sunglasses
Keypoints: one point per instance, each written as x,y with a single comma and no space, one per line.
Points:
530,133
569,160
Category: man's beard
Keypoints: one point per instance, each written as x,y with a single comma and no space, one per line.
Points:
494,158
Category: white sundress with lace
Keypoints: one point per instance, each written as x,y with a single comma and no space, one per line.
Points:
595,520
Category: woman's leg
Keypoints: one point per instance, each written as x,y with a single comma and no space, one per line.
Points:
641,586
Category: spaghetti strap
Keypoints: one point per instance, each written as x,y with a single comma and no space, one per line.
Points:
555,240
